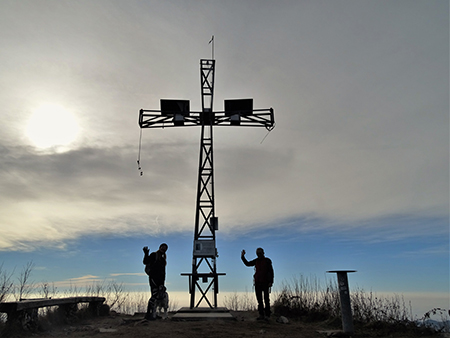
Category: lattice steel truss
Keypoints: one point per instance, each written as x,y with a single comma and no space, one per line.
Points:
175,113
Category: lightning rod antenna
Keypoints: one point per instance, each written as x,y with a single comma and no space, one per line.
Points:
212,46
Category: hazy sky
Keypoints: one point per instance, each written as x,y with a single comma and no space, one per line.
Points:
360,151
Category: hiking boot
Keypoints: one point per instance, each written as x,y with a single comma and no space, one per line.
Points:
149,316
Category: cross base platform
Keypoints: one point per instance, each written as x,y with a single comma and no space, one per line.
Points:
203,313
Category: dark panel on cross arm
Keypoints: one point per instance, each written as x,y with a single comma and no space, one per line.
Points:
176,108
242,107
172,107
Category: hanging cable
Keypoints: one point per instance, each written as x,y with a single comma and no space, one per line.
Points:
139,154
269,129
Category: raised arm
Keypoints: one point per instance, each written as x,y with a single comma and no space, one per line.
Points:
146,251
245,261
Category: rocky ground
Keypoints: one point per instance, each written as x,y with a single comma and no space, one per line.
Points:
244,325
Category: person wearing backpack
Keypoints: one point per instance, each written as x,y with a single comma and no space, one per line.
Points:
262,280
155,268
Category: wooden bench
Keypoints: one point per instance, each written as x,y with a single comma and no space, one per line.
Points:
17,310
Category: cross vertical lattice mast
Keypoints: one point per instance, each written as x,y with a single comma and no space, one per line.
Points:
205,252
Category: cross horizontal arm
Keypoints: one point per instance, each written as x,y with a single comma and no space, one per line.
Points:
154,119
258,118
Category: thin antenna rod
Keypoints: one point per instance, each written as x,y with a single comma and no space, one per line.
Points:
212,41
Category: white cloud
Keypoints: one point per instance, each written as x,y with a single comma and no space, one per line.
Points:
127,274
77,282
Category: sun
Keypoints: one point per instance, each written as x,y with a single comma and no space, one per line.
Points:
51,126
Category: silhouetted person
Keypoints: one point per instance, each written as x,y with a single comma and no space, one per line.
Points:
155,267
262,280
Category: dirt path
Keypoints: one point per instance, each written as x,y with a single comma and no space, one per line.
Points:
125,326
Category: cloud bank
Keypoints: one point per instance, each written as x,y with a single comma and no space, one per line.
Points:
360,92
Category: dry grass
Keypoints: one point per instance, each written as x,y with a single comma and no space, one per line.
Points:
308,299
302,298
240,302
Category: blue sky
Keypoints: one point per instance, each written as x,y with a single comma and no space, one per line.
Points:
355,174
410,267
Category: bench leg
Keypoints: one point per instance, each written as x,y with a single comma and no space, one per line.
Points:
29,319
12,323
98,309
68,311
21,320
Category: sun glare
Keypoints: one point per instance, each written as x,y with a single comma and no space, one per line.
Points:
52,126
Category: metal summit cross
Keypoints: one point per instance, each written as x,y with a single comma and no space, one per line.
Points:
177,113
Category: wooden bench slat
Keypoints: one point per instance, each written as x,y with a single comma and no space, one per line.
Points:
37,303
